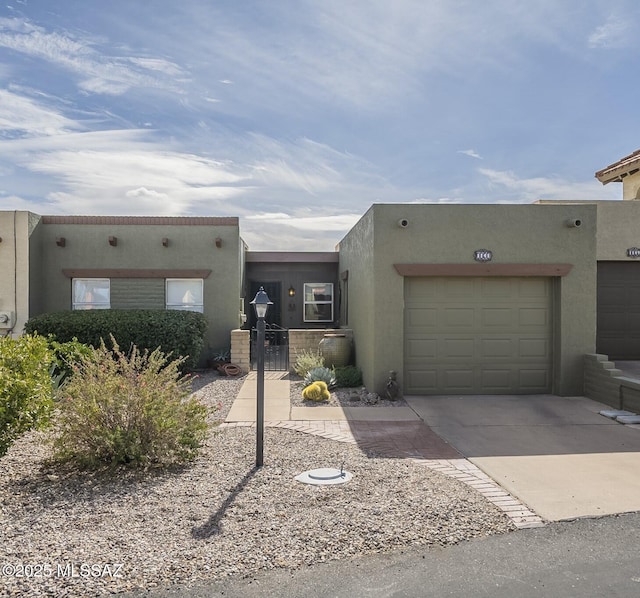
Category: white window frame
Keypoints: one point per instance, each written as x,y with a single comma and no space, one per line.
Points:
78,305
197,305
329,302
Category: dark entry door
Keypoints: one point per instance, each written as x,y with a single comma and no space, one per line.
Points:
618,325
274,313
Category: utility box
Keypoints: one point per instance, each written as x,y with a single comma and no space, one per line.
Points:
7,320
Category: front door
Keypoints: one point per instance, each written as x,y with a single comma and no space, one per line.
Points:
274,292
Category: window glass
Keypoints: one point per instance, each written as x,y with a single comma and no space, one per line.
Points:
185,294
318,302
91,293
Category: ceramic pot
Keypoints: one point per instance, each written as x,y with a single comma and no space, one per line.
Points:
336,350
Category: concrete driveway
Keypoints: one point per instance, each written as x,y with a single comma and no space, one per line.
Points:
556,454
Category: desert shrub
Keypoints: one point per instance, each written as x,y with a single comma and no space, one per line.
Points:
26,399
307,360
348,376
179,333
66,356
128,409
317,391
323,374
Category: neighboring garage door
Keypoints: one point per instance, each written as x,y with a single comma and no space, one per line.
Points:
468,335
618,327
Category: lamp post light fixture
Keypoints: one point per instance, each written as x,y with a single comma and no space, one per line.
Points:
260,303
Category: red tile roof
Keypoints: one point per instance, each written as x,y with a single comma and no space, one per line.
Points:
617,171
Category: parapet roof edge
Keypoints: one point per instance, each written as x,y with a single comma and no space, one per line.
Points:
292,256
145,220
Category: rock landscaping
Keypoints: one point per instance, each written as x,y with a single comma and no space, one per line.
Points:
72,533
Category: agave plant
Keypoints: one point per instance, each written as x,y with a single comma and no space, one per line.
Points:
323,374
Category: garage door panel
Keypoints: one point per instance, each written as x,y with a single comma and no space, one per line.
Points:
458,379
423,349
456,317
424,379
496,347
495,288
454,288
531,316
534,347
421,317
485,335
532,381
497,317
463,348
535,288
496,380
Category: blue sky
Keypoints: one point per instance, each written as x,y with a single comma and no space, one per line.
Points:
297,115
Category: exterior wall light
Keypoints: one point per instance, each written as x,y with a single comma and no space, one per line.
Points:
483,255
165,241
633,252
261,304
292,291
61,241
218,242
113,241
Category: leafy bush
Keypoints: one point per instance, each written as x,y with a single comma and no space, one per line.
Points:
133,410
317,391
348,376
26,398
66,356
320,374
179,333
307,360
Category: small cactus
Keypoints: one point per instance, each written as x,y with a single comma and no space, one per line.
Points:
317,391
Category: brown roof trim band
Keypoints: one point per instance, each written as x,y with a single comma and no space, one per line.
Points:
142,220
483,269
134,273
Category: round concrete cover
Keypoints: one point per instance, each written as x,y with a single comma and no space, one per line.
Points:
324,476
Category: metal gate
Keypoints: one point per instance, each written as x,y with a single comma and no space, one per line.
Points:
276,348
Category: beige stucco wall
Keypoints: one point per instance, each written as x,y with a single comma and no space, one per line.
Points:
451,234
631,186
618,229
140,247
357,259
15,230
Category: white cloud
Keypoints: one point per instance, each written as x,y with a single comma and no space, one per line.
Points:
22,115
614,33
534,188
100,72
471,153
144,192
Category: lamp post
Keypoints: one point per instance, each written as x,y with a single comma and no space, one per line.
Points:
260,303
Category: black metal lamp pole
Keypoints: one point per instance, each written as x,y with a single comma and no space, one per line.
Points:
261,303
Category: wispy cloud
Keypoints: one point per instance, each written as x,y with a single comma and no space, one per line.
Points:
99,71
614,33
531,189
22,116
471,153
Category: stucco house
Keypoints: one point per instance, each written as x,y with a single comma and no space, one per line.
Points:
457,299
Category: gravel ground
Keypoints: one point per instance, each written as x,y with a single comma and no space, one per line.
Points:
83,534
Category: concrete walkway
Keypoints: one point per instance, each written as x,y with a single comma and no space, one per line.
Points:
395,432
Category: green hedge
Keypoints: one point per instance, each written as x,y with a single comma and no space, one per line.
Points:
26,398
180,333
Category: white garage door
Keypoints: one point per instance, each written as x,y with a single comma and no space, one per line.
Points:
468,335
